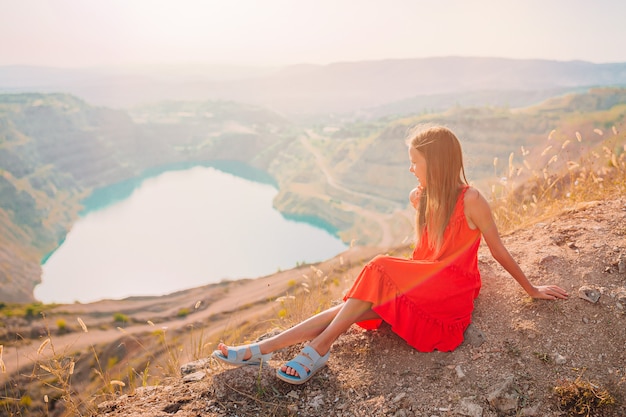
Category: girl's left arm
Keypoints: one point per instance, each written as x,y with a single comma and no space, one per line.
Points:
481,217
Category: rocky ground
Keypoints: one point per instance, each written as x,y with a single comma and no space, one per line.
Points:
523,357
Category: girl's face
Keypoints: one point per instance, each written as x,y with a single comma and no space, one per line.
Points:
418,165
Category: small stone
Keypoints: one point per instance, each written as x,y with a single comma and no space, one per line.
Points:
459,372
194,377
621,264
589,293
620,299
504,397
559,359
195,366
469,409
531,411
399,397
474,336
317,402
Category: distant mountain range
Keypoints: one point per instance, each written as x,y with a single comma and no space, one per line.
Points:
367,86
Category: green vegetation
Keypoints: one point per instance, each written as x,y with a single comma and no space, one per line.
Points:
120,318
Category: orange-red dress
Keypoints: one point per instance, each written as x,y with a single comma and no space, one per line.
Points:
428,300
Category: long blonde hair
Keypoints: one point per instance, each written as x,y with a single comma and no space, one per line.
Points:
445,175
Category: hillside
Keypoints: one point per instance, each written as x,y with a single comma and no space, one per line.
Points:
350,173
522,351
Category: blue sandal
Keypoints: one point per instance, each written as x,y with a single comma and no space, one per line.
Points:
235,355
308,359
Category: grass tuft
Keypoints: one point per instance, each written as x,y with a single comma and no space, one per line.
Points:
583,398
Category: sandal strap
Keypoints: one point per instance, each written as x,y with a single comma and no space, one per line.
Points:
312,353
296,365
305,360
238,353
255,350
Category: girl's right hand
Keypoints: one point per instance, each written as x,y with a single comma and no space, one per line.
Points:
548,292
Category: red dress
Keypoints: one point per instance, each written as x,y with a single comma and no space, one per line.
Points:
428,300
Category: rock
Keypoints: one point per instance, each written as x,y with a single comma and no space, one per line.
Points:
193,377
474,336
620,299
317,401
459,372
195,366
468,408
588,293
559,359
399,397
531,411
504,396
621,264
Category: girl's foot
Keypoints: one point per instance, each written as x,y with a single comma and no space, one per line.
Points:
292,372
302,368
224,349
241,355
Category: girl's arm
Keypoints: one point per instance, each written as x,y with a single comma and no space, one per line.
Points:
479,215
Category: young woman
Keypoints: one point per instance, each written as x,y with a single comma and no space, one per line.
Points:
428,300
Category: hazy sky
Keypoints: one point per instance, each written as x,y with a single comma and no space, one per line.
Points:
79,33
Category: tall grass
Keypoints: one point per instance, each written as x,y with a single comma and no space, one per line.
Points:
564,173
316,292
73,383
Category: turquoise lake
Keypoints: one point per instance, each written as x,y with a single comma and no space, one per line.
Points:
176,230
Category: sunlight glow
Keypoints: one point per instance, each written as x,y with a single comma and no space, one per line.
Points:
279,32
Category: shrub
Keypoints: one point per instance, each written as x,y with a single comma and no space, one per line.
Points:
62,326
582,398
120,318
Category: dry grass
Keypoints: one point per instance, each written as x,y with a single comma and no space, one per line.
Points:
566,172
583,398
315,293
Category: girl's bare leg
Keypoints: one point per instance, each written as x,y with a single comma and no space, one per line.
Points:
350,312
314,326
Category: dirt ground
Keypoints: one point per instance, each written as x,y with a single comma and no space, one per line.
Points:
520,354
